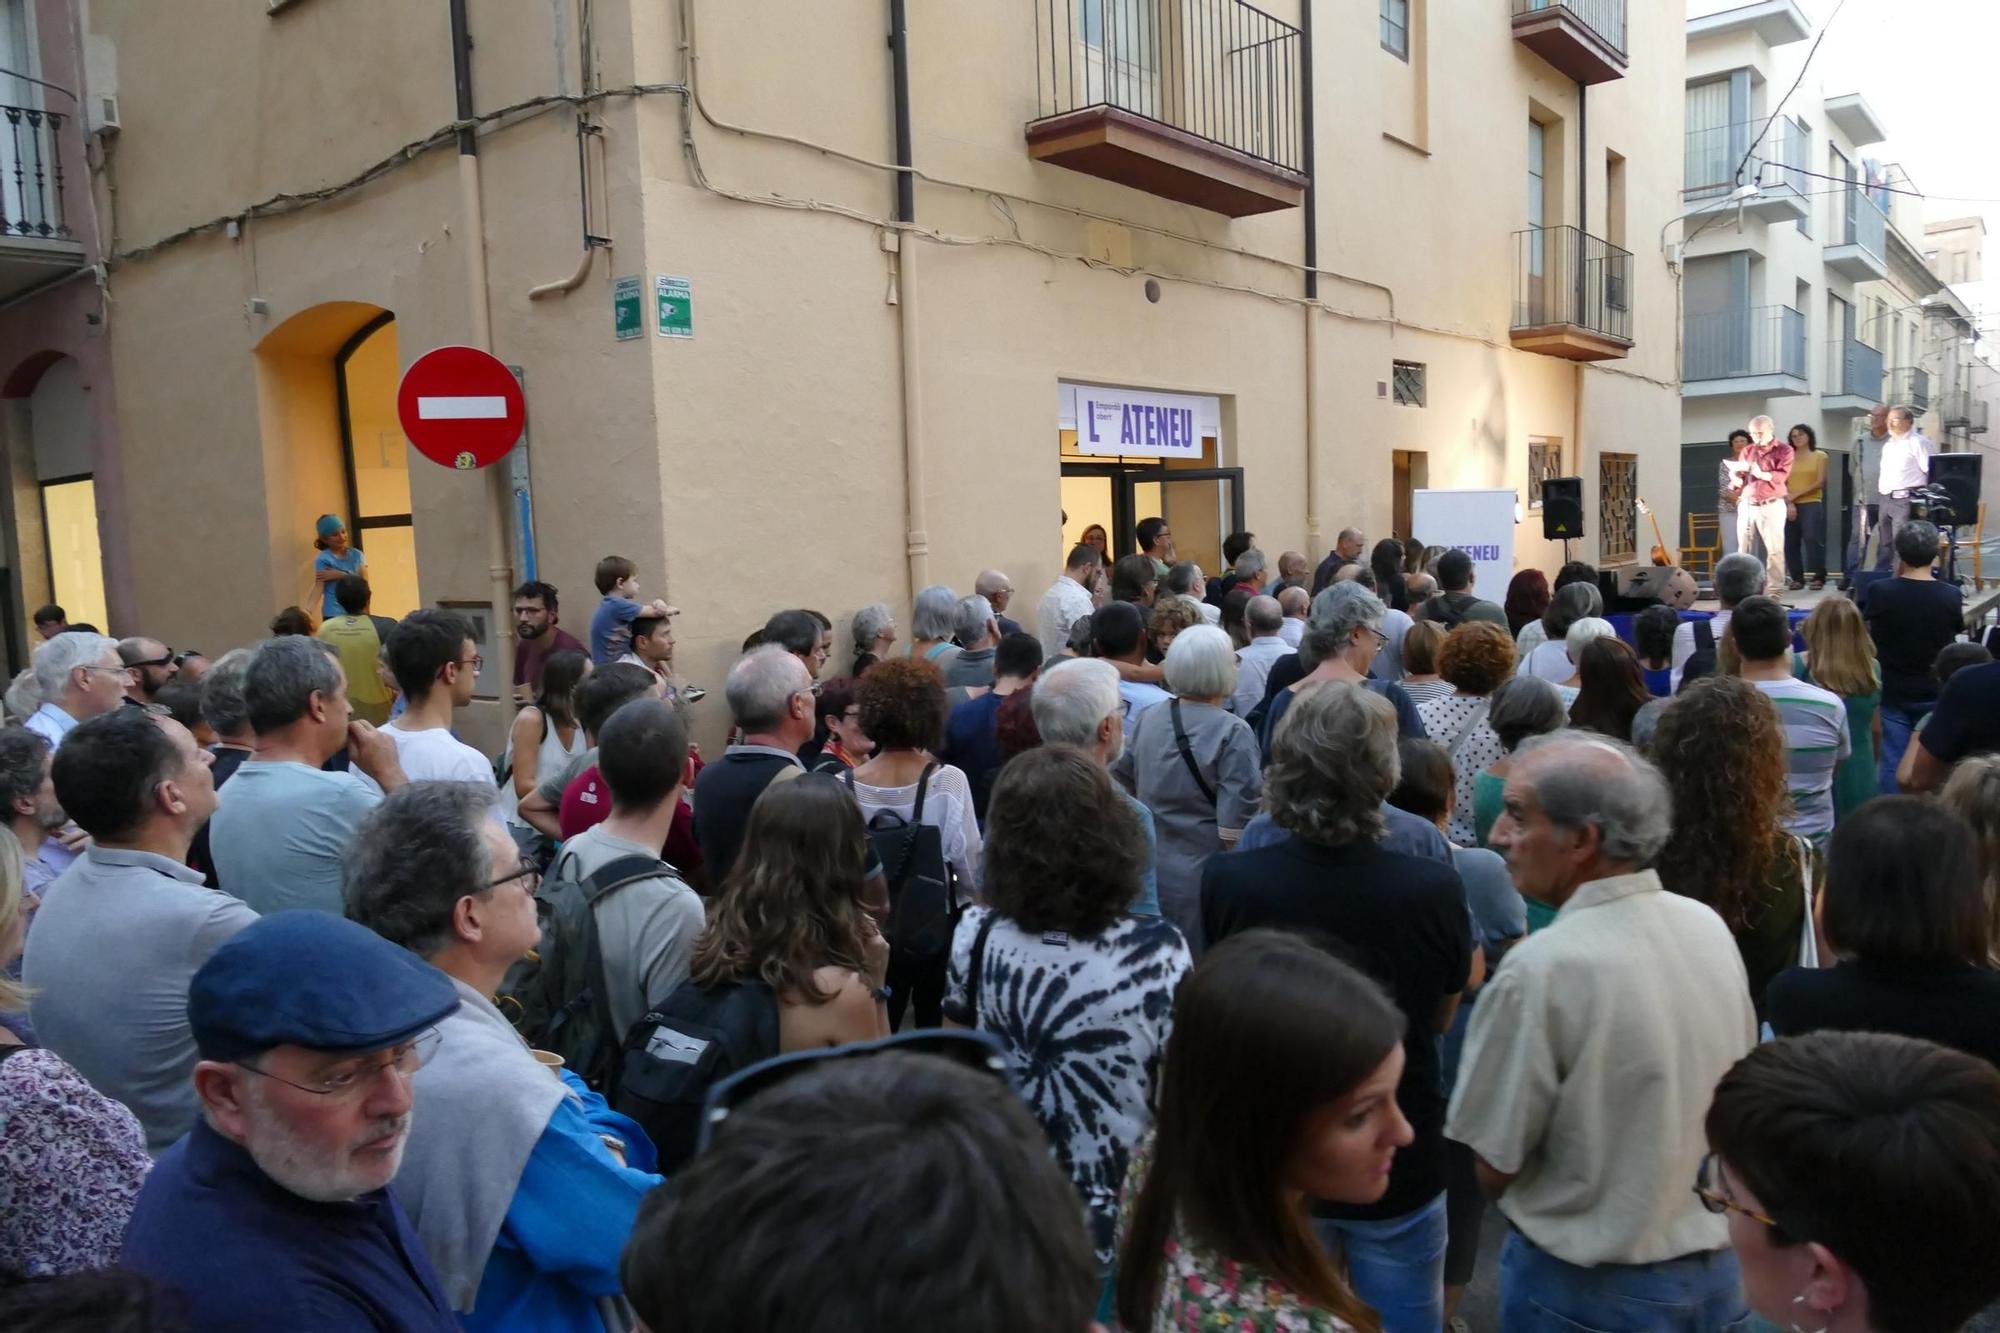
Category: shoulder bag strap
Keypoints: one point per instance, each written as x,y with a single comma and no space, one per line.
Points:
923,782
978,964
1187,750
1466,729
1704,635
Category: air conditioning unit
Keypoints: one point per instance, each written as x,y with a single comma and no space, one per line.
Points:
104,120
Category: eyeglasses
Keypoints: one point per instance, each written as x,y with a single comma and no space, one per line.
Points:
342,1080
1707,1187
124,671
168,660
475,664
527,870
966,1047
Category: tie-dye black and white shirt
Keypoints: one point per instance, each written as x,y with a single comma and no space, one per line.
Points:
1085,1022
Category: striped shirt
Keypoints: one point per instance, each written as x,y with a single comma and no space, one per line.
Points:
1816,740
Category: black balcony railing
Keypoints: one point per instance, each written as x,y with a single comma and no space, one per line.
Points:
1563,275
1219,70
1606,18
31,173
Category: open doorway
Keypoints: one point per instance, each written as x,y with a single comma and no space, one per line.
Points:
1412,473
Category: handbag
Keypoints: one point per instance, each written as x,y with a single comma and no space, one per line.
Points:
1808,931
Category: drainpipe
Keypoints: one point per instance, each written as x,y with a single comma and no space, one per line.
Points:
1307,143
1582,271
499,490
908,345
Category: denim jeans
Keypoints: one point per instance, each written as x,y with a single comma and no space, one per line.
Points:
1899,724
1396,1265
1696,1293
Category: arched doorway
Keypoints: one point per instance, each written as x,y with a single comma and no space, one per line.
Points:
332,445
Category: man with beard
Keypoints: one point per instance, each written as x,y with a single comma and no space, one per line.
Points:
275,1211
151,664
536,635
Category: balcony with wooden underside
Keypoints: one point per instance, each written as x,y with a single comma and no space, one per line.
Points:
1572,295
1197,101
1583,39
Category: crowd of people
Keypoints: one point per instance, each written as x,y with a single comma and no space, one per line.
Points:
1215,953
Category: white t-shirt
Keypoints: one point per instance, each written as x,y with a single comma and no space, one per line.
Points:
1550,661
438,756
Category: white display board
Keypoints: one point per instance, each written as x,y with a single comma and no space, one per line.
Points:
1480,523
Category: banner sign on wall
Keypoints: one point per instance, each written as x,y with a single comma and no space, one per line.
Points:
1479,523
1138,423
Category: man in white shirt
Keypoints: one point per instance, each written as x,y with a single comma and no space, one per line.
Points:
1737,578
1906,465
79,676
1186,581
1068,600
1592,1054
1296,603
435,661
1264,619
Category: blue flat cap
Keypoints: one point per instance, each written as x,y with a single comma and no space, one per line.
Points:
316,980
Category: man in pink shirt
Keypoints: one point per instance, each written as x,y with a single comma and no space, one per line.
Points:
1765,467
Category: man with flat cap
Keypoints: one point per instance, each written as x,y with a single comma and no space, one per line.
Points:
275,1211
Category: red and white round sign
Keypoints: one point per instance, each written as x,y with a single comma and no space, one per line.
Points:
461,407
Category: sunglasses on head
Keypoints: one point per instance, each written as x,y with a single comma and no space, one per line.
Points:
971,1049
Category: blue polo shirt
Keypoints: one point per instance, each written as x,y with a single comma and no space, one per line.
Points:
250,1256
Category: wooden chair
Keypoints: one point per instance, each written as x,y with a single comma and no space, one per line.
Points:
1704,545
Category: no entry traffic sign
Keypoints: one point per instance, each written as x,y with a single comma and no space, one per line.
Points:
461,407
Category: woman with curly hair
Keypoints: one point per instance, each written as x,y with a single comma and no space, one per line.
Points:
903,712
1722,752
790,916
1076,988
1840,656
1477,658
1610,690
1170,617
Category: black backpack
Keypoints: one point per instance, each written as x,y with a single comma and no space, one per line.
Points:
922,913
682,1048
1703,661
559,993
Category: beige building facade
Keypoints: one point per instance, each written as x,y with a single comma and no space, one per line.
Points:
879,390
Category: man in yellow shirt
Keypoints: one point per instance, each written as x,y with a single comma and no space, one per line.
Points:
1805,511
357,637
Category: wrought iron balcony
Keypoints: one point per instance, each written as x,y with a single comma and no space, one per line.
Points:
1197,101
1853,376
1572,294
1858,248
1584,39
1760,351
35,240
1910,387
1776,167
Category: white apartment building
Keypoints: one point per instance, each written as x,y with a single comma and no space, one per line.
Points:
1807,298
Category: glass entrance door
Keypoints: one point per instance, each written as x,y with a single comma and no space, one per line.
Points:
1201,507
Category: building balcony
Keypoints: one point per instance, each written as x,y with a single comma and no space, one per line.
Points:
1760,352
1959,409
35,240
1853,377
1776,168
1910,387
1583,39
1197,101
1859,248
1572,295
